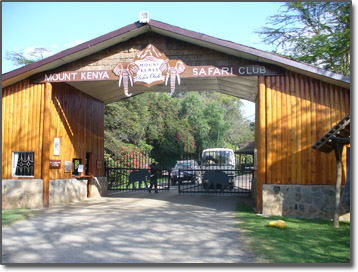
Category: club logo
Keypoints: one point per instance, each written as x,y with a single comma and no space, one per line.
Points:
149,67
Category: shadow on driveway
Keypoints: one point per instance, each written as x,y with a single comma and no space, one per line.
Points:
131,228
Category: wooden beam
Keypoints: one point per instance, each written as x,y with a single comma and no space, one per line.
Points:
46,143
338,149
260,138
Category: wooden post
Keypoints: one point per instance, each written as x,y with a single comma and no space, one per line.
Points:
338,149
260,138
46,143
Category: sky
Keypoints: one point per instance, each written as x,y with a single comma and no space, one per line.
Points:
59,26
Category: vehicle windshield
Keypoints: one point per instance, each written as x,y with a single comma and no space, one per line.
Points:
218,158
185,165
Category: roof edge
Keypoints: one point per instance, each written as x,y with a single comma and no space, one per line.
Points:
72,50
262,55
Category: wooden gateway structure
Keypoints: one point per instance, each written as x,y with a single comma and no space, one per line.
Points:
52,110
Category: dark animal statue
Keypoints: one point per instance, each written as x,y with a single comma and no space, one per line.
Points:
216,180
141,176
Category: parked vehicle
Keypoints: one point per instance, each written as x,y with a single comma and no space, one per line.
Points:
219,159
187,170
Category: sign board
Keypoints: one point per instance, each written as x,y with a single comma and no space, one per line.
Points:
151,67
99,164
80,168
55,164
67,166
56,148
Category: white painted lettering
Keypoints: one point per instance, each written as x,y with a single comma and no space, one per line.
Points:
210,70
202,72
217,71
105,75
225,70
262,70
48,78
83,75
195,71
241,70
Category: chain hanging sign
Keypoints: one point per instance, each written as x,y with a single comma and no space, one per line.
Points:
151,67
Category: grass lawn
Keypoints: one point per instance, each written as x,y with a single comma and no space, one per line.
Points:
303,241
11,216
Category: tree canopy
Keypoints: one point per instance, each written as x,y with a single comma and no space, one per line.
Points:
172,126
19,59
317,33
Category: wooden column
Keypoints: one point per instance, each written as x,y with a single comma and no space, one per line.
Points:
46,143
260,138
338,149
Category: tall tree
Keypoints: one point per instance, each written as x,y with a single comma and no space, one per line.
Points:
19,59
313,32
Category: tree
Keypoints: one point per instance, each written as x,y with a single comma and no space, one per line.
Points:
313,32
19,59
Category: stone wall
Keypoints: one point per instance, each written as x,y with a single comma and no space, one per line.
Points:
28,193
99,187
302,201
22,193
64,191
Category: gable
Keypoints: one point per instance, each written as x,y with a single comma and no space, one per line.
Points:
191,47
242,84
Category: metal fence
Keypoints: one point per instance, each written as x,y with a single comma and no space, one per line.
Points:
218,182
136,172
215,173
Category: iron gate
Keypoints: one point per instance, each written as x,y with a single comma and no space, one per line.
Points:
218,182
136,172
212,174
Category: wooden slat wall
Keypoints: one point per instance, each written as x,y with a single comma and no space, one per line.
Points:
298,111
22,124
76,118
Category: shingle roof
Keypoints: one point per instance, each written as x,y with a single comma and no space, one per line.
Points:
136,29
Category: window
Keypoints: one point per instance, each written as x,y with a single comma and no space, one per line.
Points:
23,164
76,163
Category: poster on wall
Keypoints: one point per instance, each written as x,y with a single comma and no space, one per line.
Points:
67,166
56,150
80,168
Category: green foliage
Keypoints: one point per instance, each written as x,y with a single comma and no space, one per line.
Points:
172,126
19,59
303,241
313,32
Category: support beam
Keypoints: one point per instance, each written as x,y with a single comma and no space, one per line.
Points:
46,143
338,150
260,140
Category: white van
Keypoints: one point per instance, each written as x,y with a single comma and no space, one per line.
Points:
219,159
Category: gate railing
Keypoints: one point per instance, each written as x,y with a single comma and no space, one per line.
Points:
133,172
221,182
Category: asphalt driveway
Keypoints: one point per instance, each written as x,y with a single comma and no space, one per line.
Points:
131,228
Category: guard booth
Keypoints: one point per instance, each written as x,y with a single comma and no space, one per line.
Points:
52,113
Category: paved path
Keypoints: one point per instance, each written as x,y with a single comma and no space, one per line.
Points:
133,228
